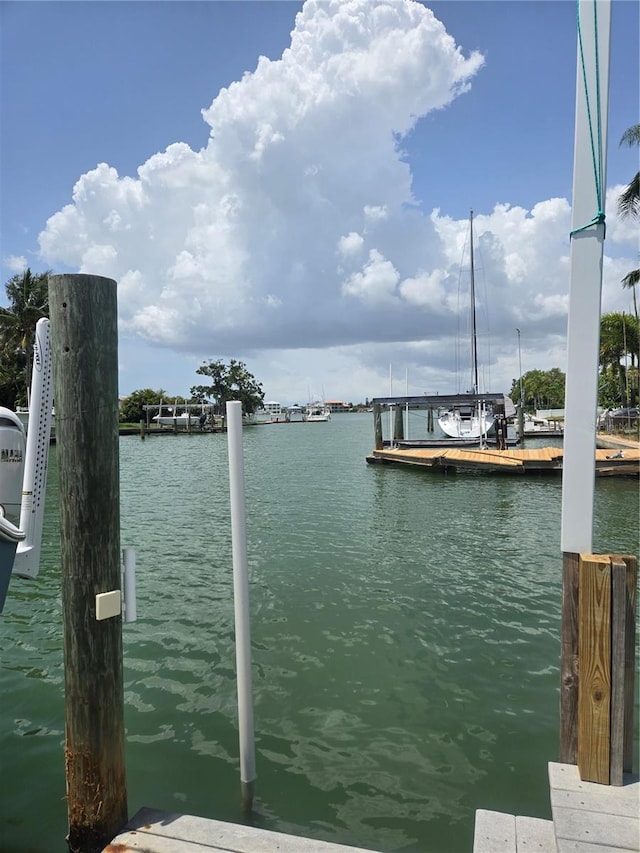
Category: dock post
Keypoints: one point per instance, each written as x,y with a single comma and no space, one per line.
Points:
84,341
142,430
377,426
398,426
569,660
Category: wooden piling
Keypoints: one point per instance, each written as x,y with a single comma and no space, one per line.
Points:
594,692
598,665
398,425
569,660
377,426
618,637
85,361
628,629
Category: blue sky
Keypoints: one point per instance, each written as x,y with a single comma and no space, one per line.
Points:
301,239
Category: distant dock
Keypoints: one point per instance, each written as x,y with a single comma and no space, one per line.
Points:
620,458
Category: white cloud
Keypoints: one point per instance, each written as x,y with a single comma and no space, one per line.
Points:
350,244
296,225
16,263
376,283
303,158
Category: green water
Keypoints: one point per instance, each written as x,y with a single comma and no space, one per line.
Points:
405,642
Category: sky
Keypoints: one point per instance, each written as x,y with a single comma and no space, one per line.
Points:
289,184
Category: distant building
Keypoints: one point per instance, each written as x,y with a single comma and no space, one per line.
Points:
337,406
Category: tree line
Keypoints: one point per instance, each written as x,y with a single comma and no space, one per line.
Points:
228,381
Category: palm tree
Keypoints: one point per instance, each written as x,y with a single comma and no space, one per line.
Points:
618,339
28,296
629,206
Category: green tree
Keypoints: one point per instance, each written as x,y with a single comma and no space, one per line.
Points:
28,296
229,382
131,409
543,389
619,341
629,207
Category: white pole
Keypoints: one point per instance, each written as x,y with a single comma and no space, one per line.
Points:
390,407
129,585
586,277
241,602
406,426
520,369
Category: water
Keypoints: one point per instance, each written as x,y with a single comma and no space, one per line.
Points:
405,632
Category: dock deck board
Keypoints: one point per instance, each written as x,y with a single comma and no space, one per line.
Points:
590,818
153,831
608,461
587,818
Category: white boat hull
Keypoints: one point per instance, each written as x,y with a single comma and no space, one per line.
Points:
179,420
317,413
455,425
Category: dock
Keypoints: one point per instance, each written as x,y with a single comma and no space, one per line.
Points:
586,818
153,831
616,460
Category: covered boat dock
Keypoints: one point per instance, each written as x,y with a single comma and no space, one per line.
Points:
398,409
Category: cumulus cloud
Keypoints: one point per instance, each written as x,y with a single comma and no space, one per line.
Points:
16,263
297,222
293,207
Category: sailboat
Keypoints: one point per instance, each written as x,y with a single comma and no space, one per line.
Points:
471,419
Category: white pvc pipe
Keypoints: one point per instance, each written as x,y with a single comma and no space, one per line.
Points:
390,407
129,586
241,601
406,426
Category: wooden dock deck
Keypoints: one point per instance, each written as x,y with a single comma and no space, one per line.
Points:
616,460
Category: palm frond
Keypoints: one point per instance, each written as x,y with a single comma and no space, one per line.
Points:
631,279
631,136
629,201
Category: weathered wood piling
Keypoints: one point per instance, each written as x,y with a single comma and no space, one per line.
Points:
85,362
597,665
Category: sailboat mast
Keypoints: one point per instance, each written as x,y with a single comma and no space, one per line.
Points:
474,341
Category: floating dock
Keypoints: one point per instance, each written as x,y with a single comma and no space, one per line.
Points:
617,460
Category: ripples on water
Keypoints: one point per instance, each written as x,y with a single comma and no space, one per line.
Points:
405,642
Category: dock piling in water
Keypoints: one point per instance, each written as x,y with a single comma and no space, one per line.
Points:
84,336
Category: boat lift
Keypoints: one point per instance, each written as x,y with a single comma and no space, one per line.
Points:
24,457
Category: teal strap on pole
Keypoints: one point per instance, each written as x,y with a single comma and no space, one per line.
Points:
596,149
